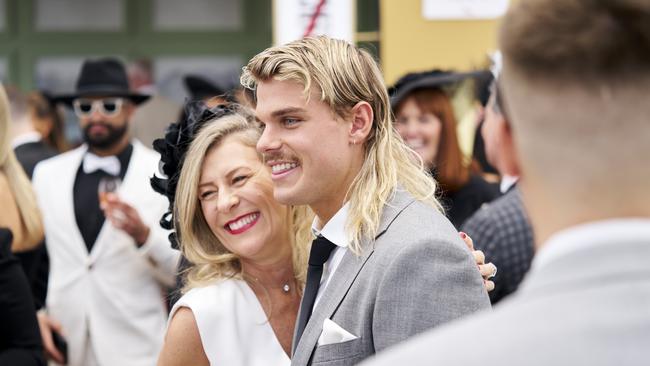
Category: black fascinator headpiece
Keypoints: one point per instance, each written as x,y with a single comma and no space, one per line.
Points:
172,149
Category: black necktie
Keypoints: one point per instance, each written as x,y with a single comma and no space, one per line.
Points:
321,248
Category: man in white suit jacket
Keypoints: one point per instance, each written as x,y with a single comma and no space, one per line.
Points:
574,83
106,276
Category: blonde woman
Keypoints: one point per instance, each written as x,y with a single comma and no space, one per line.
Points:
20,230
19,208
249,252
244,289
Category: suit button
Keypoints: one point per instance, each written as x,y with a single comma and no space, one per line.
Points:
90,266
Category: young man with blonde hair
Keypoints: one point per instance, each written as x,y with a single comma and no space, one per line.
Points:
386,263
575,85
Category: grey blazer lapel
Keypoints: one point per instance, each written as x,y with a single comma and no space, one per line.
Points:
396,204
338,286
343,279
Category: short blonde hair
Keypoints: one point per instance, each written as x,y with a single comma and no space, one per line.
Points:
211,260
19,184
345,75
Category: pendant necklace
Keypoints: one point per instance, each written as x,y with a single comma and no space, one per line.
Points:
286,288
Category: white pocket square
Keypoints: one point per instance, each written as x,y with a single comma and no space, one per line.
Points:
333,333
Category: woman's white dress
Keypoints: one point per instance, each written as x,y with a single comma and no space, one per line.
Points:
233,327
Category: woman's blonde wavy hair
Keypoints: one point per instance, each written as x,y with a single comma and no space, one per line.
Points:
345,75
19,184
211,260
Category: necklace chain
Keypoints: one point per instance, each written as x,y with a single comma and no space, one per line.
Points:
286,287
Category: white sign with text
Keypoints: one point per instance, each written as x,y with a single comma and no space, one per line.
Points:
294,19
463,9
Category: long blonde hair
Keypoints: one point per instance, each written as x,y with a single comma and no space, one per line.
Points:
211,260
345,75
19,184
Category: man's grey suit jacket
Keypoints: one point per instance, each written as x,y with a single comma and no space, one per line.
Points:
587,307
416,274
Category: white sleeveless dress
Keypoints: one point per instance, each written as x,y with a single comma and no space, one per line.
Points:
233,327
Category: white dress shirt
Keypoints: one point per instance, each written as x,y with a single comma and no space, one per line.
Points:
507,181
334,231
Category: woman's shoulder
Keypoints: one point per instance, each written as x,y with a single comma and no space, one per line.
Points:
213,312
183,343
217,295
218,287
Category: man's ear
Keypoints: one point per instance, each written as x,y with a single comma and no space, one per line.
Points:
362,117
510,153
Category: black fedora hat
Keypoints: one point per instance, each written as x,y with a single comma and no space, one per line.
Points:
434,79
103,78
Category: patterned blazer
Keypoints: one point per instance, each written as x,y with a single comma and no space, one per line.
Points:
501,230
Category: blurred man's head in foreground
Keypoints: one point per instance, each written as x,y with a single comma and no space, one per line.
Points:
575,84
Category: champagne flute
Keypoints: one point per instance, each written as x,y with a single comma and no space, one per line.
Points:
107,185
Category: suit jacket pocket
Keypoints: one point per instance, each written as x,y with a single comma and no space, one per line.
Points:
344,353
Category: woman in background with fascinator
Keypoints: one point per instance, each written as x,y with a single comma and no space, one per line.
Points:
248,252
424,117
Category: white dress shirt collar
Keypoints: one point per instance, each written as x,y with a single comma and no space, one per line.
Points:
507,181
334,229
593,234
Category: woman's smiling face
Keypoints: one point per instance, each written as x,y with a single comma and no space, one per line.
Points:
236,195
421,131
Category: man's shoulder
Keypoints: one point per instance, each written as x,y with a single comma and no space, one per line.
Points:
487,335
417,226
59,161
144,157
411,209
37,151
502,212
422,219
28,147
565,322
145,151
